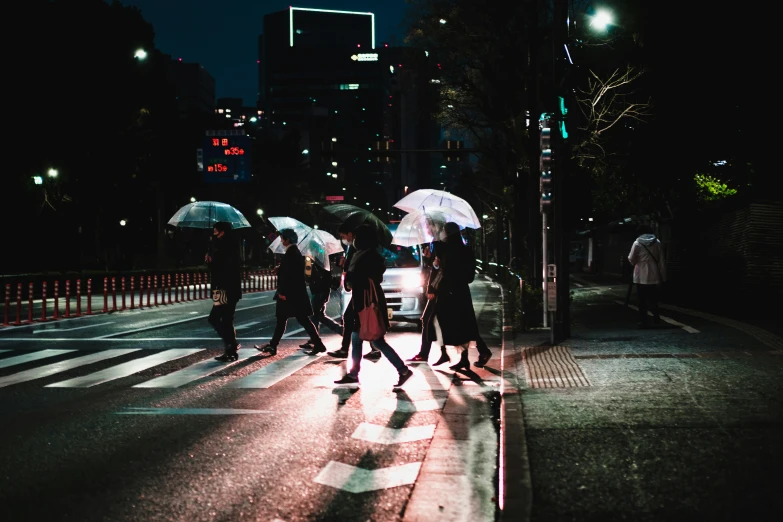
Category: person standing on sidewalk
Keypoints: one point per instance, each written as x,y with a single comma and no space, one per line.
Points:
320,291
366,268
649,273
291,296
223,262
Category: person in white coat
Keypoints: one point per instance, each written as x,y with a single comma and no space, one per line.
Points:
649,273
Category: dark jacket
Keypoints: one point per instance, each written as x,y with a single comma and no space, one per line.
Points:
291,284
456,316
320,280
225,266
369,269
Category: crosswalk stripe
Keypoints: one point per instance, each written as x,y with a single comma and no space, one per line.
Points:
58,367
358,480
194,372
189,411
32,356
383,435
247,325
275,372
124,370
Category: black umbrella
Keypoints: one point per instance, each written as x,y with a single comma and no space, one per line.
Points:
351,217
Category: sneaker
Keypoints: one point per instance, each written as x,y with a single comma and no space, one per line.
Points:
341,354
417,359
348,379
374,355
407,374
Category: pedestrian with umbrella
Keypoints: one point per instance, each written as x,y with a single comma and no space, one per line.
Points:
224,264
292,299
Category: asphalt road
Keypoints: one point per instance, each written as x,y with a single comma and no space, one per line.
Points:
126,417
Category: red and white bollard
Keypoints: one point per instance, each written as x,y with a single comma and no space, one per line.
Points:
156,290
6,310
132,294
89,297
43,301
78,297
176,288
187,285
30,295
18,320
67,298
56,299
149,290
122,289
200,286
113,294
168,284
105,295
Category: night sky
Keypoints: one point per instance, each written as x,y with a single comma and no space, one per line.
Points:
222,36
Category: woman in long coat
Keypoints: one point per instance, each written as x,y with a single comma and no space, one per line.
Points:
291,296
366,268
455,313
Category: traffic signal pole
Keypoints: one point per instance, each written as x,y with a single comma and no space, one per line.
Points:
561,326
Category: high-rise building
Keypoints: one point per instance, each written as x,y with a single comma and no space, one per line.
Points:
194,87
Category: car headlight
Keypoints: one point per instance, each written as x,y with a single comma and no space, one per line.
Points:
411,281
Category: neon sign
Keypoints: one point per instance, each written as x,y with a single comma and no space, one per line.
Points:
217,167
234,151
226,157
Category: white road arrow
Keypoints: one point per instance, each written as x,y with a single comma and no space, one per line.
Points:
358,480
384,435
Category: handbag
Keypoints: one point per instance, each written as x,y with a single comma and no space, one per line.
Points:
219,297
371,322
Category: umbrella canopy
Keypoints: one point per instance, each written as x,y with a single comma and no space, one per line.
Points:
204,214
282,223
421,226
425,198
318,244
352,216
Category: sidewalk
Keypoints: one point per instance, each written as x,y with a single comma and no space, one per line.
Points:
623,423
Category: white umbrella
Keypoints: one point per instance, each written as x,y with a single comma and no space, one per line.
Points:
419,226
204,214
282,223
426,198
317,244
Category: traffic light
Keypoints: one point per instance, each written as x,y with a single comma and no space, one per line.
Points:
454,151
381,148
546,164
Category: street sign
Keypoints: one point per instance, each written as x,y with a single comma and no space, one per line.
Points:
335,198
551,296
551,270
225,157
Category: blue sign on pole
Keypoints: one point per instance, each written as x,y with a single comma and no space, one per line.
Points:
225,158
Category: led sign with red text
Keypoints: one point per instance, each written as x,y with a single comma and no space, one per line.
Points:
226,158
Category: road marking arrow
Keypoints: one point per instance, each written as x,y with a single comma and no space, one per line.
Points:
384,435
358,480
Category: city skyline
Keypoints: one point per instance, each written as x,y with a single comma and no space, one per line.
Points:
229,51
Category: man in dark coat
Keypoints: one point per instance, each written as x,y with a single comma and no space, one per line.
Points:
292,298
224,264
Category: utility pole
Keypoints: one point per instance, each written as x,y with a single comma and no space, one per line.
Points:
533,146
561,327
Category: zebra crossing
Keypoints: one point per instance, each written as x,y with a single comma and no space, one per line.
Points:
270,374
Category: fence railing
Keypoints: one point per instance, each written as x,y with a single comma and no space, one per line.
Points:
63,297
520,295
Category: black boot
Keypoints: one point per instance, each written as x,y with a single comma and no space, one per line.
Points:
444,357
463,363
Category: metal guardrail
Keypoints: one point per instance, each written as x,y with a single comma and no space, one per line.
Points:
502,274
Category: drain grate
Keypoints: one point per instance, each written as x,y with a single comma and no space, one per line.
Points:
552,367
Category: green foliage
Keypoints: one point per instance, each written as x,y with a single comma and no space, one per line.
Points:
711,188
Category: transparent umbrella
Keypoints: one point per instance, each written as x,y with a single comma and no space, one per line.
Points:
422,226
317,244
204,214
427,198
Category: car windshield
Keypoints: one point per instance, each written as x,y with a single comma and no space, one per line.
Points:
401,257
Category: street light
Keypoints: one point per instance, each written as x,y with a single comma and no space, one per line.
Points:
260,212
192,200
123,222
442,21
141,54
601,20
52,173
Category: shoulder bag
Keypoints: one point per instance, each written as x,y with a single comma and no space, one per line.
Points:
371,322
